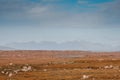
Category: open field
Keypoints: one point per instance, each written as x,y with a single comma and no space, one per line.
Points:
59,65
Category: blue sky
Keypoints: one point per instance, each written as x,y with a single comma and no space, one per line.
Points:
60,21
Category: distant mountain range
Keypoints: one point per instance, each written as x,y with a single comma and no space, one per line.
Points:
71,45
6,48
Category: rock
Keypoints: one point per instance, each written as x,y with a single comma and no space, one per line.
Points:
10,74
10,64
85,77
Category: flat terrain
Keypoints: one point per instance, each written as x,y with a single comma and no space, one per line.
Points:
59,65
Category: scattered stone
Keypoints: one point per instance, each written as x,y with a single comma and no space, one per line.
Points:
16,71
2,72
10,64
10,74
44,70
108,67
85,76
26,68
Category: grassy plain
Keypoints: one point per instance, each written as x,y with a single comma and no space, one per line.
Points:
59,65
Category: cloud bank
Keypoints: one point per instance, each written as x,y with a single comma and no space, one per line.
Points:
80,13
71,45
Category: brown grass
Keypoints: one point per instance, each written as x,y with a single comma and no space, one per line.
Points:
60,65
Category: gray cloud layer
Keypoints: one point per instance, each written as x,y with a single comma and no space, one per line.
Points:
40,11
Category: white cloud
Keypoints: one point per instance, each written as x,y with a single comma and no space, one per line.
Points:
80,20
51,15
37,11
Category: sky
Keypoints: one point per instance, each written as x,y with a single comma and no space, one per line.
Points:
60,21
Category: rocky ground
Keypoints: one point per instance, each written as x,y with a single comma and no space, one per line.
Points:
59,65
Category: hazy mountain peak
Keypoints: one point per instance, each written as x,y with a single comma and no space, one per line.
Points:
6,48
